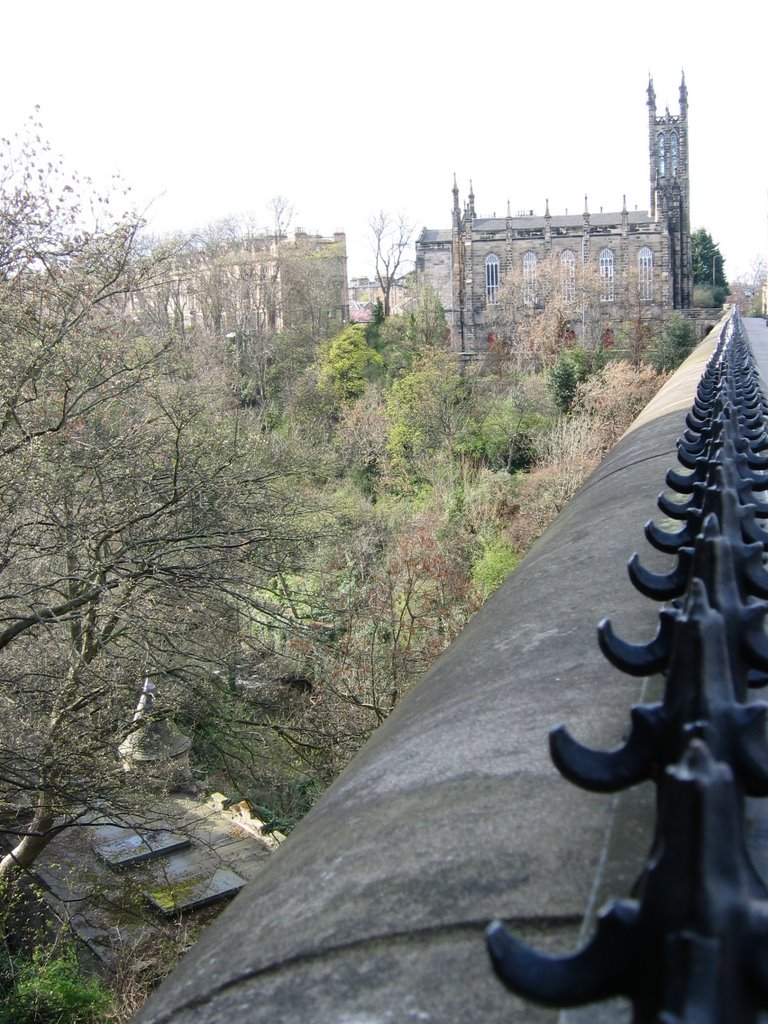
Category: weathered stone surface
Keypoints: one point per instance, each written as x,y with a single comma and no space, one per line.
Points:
181,888
119,847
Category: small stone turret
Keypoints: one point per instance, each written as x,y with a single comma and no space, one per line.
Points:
156,747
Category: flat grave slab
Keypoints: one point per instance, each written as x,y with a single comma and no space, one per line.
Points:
131,846
188,892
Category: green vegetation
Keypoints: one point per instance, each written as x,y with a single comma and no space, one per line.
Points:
675,343
347,364
494,565
49,987
571,367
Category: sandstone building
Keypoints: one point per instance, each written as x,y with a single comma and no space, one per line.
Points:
234,285
644,257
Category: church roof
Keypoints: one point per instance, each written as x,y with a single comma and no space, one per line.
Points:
539,223
435,235
569,220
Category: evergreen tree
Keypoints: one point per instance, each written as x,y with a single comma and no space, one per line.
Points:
708,261
347,362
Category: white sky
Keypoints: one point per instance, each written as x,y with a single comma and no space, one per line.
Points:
348,108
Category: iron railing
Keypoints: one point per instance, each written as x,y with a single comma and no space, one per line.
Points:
691,944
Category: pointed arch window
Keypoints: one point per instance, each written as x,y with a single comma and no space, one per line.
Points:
492,279
606,275
662,153
673,152
568,275
529,278
645,274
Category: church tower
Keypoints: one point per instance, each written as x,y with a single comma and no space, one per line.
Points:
670,190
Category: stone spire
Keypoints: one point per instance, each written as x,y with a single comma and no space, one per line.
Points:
651,97
683,96
652,147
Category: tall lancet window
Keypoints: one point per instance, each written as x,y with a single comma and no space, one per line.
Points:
673,152
568,275
606,275
645,274
662,147
492,279
529,279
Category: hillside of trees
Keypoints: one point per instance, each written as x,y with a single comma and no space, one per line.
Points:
281,520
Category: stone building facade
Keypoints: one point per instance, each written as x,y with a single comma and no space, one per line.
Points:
647,254
241,286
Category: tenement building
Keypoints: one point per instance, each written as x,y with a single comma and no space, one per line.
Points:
638,258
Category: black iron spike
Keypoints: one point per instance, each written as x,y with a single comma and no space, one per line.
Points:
684,483
679,509
662,587
599,971
672,542
639,659
610,771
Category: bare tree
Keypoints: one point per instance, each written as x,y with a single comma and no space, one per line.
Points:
748,289
539,311
281,217
139,508
390,237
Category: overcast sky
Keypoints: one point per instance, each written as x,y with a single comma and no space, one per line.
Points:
349,108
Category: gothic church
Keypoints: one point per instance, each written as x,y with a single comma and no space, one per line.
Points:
649,251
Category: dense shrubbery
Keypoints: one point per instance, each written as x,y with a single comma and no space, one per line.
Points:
675,343
49,987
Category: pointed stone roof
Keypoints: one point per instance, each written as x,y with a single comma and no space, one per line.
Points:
153,738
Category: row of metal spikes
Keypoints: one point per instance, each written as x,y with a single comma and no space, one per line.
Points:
691,945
